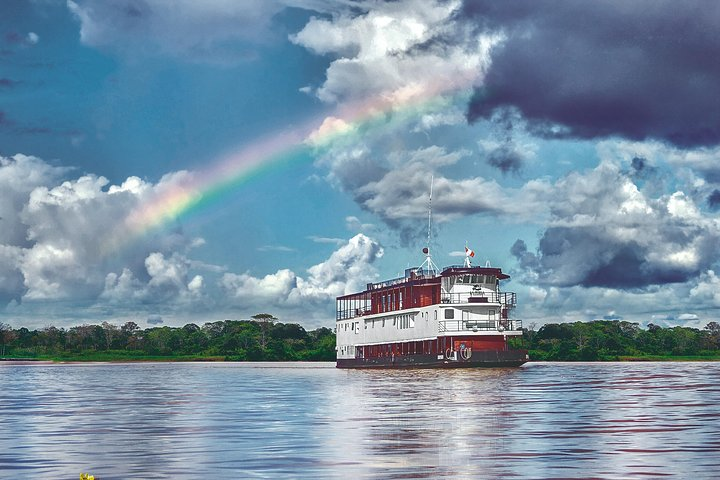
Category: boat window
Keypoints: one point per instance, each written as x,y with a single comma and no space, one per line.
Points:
449,313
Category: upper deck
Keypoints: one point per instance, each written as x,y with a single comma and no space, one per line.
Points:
422,288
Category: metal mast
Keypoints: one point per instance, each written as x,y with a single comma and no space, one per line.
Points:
432,268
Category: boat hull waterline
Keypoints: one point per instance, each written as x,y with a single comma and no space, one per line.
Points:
482,359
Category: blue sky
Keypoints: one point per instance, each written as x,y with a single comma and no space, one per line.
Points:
574,146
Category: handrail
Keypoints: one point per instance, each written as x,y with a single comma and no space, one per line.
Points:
478,325
503,298
506,300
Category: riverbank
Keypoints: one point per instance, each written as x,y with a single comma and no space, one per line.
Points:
266,340
109,358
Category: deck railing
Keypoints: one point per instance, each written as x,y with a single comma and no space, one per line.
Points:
478,325
503,298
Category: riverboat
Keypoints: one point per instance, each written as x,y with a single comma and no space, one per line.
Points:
454,318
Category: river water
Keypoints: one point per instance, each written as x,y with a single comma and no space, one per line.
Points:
291,420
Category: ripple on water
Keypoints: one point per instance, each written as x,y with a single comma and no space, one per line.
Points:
577,420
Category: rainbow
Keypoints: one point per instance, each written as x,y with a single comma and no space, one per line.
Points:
230,172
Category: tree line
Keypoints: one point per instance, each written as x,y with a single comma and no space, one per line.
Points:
264,338
618,340
261,338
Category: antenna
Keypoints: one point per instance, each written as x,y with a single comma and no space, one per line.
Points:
432,181
432,268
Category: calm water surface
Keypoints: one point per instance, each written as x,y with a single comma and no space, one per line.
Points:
609,420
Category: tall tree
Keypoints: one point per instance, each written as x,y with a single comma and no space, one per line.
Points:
265,320
6,336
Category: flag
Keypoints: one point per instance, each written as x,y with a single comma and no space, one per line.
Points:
469,253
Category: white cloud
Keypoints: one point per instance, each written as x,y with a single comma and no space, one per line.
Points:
167,281
428,121
275,287
196,285
19,176
166,273
395,186
391,56
397,51
399,188
707,290
612,240
12,286
348,269
668,305
330,127
69,241
353,224
604,231
332,240
122,288
704,160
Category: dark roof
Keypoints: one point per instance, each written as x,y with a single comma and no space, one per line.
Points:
455,270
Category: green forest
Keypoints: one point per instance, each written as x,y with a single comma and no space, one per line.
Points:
619,340
264,338
261,339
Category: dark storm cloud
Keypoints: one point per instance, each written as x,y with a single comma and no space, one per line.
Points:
585,256
506,159
713,200
136,10
641,69
641,168
647,175
526,259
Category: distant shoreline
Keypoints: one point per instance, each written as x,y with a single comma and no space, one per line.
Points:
51,361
